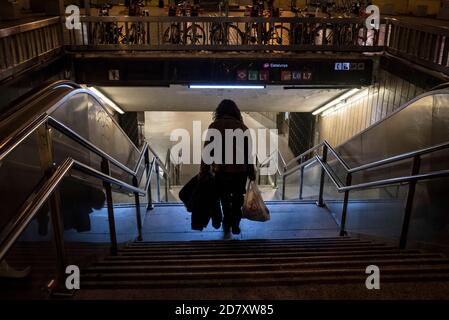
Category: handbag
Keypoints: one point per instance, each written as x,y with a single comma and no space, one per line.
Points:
254,207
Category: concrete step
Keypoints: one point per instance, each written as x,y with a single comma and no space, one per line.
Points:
256,254
221,275
266,266
408,290
262,278
245,246
149,261
258,284
203,243
259,250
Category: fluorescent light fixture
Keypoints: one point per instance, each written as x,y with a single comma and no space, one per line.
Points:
358,96
336,101
330,110
231,86
106,100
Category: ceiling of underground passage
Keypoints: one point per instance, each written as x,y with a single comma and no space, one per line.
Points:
181,98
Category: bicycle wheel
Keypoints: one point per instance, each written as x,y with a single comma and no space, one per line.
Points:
195,35
302,34
98,34
346,36
280,36
324,36
233,37
172,35
367,38
252,34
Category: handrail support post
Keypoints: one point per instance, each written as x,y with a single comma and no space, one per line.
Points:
301,179
105,168
320,202
138,212
149,193
344,211
158,183
409,204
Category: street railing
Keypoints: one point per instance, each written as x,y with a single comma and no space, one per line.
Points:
224,33
422,44
25,45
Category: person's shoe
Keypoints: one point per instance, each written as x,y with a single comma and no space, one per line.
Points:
226,229
236,230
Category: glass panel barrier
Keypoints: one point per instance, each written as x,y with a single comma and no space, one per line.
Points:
311,183
292,186
84,115
371,212
332,198
33,260
421,124
20,174
430,219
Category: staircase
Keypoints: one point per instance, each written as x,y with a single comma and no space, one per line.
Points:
268,269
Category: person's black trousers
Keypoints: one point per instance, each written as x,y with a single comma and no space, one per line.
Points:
231,188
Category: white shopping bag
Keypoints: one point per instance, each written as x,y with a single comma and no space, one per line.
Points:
253,207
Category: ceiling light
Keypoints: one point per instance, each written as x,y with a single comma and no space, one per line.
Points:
106,100
336,101
231,87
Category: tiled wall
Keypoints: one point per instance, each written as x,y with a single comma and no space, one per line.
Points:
387,95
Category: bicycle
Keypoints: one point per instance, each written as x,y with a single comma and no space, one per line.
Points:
334,34
225,33
137,33
193,34
256,33
106,32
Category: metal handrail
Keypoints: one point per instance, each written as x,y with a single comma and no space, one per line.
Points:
371,165
347,187
40,93
28,212
44,193
29,26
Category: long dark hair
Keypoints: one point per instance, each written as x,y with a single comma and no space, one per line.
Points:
227,108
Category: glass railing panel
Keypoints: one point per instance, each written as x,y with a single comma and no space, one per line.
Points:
20,174
332,198
64,147
421,124
311,183
83,114
430,219
291,186
429,222
376,212
86,220
33,259
125,219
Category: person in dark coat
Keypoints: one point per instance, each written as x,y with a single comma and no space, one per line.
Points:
230,176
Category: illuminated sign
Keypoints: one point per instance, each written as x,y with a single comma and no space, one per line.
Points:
349,66
275,65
